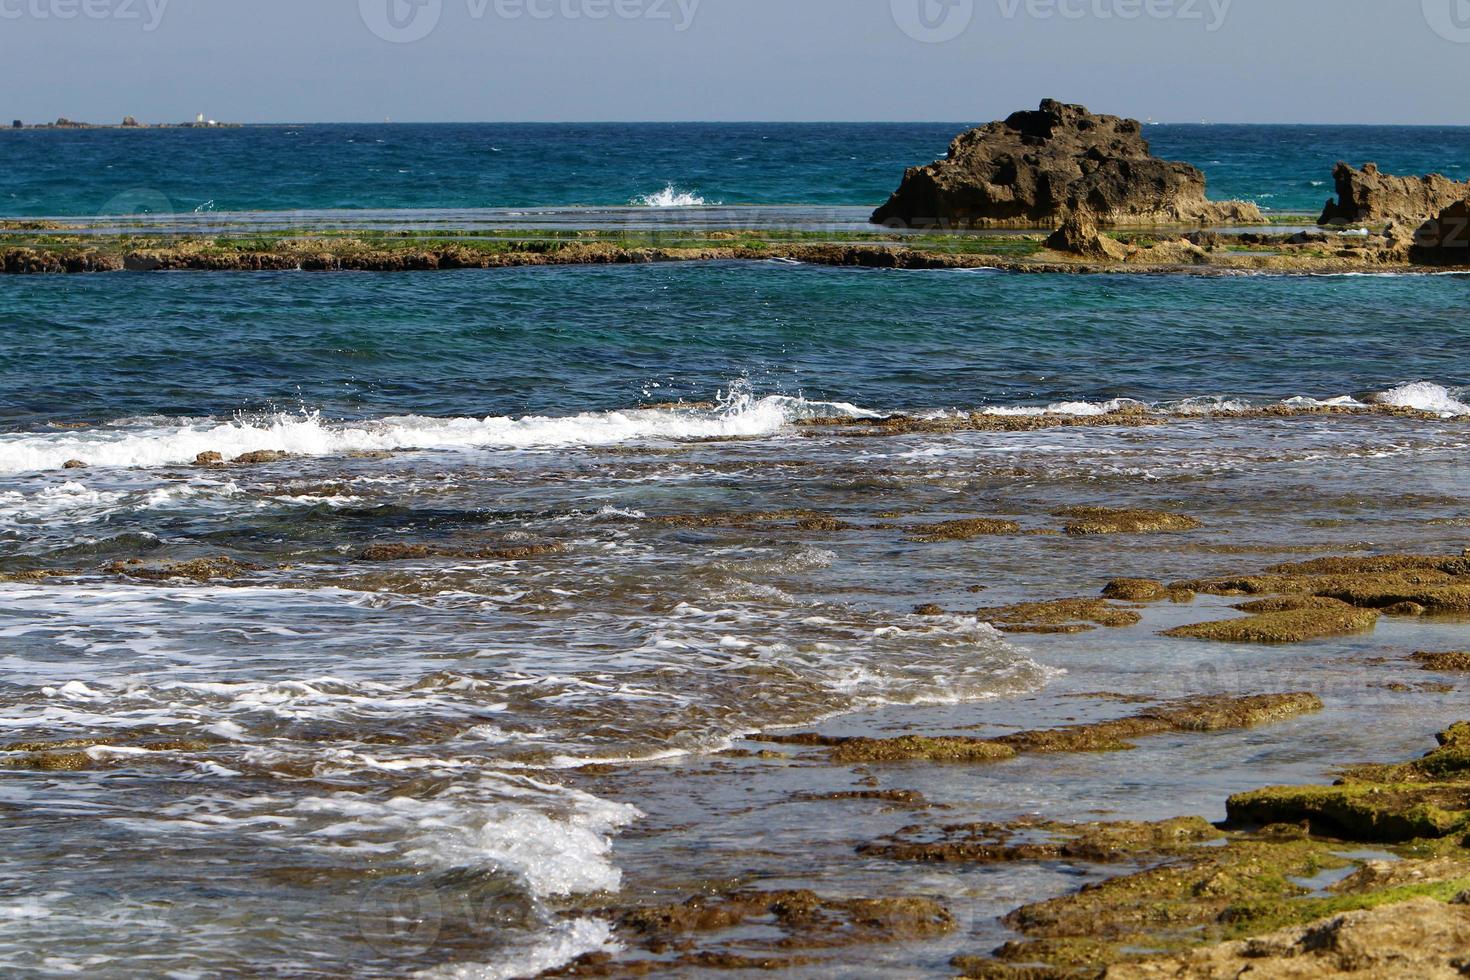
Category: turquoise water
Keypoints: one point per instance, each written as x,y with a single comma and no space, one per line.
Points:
364,748
56,173
556,340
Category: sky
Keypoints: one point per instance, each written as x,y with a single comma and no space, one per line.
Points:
1318,61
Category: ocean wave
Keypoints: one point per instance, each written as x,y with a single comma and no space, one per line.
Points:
671,197
740,413
556,947
1425,396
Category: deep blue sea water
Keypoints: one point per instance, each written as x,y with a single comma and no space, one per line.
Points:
548,341
360,751
83,173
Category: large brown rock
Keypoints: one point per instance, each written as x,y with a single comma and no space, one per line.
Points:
1445,238
1035,168
1368,196
1418,940
1078,235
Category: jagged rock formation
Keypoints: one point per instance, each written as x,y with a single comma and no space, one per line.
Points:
1035,168
1422,938
1078,235
1368,196
1445,238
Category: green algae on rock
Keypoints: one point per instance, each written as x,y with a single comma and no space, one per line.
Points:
1040,840
961,530
1287,626
1428,798
1203,714
1116,520
1206,714
1059,616
1457,662
197,570
1393,584
907,748
393,552
1421,938
760,929
1136,590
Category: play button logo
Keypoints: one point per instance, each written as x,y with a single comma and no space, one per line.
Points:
1450,19
401,21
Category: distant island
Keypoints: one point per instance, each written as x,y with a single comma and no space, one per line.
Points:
129,122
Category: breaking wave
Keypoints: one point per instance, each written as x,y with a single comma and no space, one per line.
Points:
1426,397
671,197
151,443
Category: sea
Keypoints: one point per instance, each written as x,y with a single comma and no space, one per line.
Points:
495,635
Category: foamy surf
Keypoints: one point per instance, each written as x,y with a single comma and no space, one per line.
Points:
557,947
1425,396
739,415
671,197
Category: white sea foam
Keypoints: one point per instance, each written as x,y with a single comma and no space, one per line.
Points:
740,414
671,197
1076,408
556,947
559,853
1426,397
556,841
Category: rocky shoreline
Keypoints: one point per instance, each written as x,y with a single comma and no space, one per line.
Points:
1078,248
1365,876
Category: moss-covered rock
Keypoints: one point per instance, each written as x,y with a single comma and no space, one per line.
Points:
1059,616
1136,590
1457,662
197,570
919,747
1290,626
401,551
1282,864
1423,799
1207,714
1420,938
1039,840
1111,520
962,530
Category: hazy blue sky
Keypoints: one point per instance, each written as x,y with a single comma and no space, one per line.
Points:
1403,61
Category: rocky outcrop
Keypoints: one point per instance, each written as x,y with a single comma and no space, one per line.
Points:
1078,235
1035,168
1445,238
1422,938
1368,196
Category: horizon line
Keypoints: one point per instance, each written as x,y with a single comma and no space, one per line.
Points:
226,124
